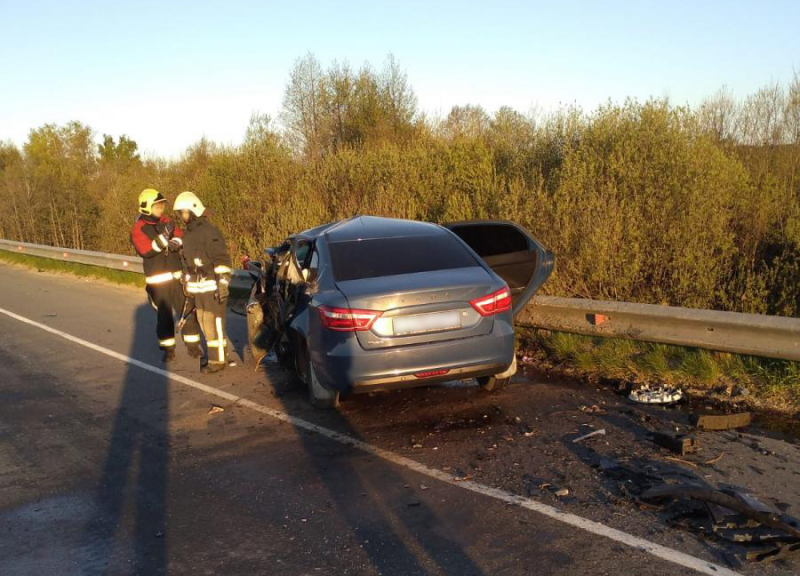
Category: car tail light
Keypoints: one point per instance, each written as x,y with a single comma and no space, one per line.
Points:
347,319
493,303
431,373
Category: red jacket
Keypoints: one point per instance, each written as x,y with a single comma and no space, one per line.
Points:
151,246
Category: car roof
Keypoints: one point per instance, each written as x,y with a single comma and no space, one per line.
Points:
372,227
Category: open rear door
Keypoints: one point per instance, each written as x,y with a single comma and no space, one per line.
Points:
513,254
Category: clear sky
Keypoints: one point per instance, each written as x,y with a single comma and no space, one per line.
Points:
167,73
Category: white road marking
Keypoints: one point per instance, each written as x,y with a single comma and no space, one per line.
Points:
663,552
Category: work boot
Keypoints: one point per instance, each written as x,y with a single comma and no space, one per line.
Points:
169,355
212,368
194,350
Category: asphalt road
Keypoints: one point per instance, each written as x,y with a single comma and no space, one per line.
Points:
110,465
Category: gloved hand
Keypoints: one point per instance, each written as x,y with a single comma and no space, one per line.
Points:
162,241
175,244
166,228
223,284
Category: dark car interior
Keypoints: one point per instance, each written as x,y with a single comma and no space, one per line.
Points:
506,250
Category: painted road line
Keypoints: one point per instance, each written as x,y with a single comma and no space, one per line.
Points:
657,550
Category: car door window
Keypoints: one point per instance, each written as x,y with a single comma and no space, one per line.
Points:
300,256
313,265
301,252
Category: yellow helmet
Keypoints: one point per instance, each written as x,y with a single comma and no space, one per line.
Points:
189,201
147,198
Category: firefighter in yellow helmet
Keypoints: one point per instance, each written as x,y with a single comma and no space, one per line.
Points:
208,276
158,241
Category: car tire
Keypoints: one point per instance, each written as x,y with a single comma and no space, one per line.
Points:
318,395
492,384
255,325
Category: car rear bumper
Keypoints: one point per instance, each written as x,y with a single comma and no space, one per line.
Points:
410,380
347,367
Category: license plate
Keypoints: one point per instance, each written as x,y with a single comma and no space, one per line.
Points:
427,322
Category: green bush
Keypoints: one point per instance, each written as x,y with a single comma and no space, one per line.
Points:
644,202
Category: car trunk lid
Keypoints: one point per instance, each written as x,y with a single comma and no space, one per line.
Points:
421,307
511,252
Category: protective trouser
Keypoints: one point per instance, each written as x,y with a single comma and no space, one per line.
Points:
211,316
168,300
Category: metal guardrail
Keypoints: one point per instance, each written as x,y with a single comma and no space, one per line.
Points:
240,281
756,334
102,259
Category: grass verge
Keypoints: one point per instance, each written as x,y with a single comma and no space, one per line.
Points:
761,382
84,270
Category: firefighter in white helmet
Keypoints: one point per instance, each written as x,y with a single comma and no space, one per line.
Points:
208,276
158,242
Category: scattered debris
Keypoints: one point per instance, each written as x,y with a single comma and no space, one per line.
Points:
424,487
714,460
754,534
593,409
740,391
600,432
776,551
678,443
737,501
563,492
215,409
720,421
656,395
674,459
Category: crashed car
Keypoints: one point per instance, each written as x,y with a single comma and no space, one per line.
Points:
373,303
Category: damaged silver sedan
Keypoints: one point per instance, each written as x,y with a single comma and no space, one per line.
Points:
374,303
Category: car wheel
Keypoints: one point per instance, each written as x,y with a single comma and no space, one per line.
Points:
492,384
255,326
318,395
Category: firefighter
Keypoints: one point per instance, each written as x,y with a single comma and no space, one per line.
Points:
158,241
207,277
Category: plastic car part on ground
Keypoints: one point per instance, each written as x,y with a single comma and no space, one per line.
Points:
738,516
656,395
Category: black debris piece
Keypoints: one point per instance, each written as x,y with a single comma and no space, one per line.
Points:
680,444
721,421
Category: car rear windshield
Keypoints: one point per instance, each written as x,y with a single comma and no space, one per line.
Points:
357,259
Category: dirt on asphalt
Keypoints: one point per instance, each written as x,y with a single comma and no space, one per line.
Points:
522,440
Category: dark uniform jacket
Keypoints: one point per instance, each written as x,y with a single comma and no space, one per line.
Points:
158,262
206,255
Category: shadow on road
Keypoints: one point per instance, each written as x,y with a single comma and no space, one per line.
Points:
382,505
128,529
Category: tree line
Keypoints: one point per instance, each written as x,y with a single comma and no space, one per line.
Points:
640,201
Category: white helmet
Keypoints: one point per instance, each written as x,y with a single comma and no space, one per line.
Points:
189,201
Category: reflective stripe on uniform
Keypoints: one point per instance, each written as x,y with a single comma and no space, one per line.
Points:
191,338
201,287
161,278
166,343
220,340
222,269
